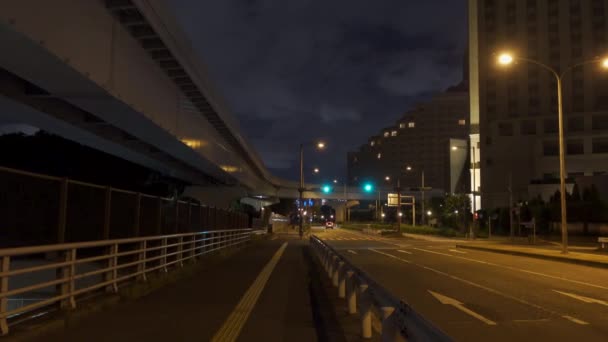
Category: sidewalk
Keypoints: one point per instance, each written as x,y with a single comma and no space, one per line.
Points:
583,255
261,293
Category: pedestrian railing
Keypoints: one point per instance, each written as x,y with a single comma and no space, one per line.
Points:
399,322
69,272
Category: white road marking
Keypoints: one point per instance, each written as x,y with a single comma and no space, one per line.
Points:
519,270
575,320
468,282
460,306
401,251
583,298
352,252
457,251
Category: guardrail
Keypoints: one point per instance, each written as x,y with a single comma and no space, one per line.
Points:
364,296
85,267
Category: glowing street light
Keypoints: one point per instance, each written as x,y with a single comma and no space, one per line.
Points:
387,178
400,214
506,59
315,170
429,213
408,168
335,181
320,145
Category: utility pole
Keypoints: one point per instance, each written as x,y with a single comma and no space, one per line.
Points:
301,190
422,219
399,204
510,188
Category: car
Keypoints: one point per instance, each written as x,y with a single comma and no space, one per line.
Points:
329,225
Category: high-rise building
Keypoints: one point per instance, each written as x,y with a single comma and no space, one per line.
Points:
420,140
514,109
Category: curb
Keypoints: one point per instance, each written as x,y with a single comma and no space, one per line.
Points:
590,263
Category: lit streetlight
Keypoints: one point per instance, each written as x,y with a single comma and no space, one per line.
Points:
506,59
320,146
400,214
315,170
387,178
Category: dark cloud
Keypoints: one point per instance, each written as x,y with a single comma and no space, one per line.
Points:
293,71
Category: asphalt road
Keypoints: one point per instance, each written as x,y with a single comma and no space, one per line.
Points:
480,296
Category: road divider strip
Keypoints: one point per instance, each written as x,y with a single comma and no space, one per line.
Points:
233,325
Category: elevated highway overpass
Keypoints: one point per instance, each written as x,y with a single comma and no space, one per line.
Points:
120,76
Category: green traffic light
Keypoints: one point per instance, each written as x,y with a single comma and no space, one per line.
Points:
326,189
368,187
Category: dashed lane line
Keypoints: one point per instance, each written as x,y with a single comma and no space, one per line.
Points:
488,289
518,269
402,251
352,252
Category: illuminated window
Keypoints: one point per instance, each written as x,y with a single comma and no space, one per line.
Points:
462,122
393,133
379,155
402,125
386,134
411,124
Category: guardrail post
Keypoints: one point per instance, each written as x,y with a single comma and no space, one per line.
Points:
366,312
112,273
341,280
193,247
336,271
351,292
4,267
163,252
180,254
66,273
388,328
141,257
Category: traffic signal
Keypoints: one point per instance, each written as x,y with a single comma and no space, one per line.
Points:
326,189
368,187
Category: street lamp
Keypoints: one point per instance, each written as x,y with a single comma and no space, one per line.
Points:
387,178
506,59
422,189
320,145
315,170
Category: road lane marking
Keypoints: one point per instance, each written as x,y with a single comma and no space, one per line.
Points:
575,320
352,252
445,300
402,251
233,325
468,282
583,298
519,270
457,251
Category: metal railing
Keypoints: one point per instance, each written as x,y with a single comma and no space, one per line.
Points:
86,267
399,322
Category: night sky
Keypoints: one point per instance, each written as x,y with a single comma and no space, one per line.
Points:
293,71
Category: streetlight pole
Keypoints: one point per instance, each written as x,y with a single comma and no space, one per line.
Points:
422,202
507,59
301,190
474,192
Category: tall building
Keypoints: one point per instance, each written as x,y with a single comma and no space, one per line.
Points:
420,140
514,109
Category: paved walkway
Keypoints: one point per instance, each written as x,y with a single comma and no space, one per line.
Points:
262,293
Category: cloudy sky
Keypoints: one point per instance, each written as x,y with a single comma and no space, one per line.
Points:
298,70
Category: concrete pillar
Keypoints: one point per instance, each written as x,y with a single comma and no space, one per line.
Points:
63,210
107,213
351,295
366,312
341,280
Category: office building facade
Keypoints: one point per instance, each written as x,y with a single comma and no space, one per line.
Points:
513,110
419,140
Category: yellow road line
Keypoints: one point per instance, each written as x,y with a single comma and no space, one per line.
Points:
233,325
